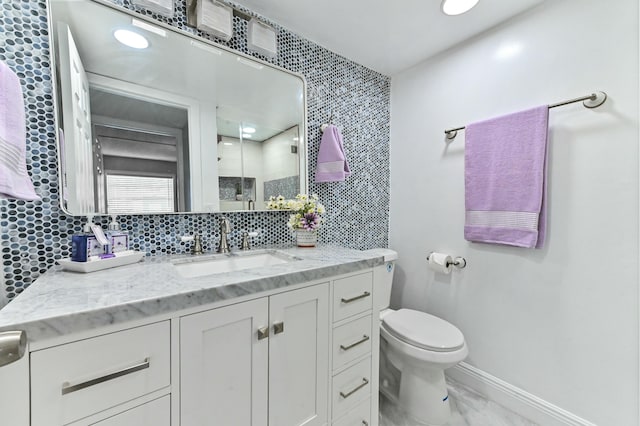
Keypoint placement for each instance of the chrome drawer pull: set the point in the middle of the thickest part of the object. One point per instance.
(353, 299)
(67, 388)
(354, 344)
(364, 383)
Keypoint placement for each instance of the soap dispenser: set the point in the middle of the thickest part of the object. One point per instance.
(119, 239)
(90, 242)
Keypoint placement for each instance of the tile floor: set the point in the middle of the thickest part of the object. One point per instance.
(471, 410)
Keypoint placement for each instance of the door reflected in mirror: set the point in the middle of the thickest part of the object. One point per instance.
(180, 126)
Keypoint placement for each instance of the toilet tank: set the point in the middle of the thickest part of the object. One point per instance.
(383, 278)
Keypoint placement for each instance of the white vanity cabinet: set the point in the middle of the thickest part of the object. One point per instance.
(261, 362)
(305, 355)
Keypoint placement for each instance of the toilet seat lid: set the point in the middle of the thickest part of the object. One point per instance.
(423, 330)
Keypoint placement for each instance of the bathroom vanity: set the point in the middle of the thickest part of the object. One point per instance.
(292, 343)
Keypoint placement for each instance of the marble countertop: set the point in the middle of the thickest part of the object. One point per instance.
(61, 302)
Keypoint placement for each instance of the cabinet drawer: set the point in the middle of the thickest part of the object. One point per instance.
(359, 416)
(352, 295)
(78, 379)
(351, 387)
(153, 413)
(351, 341)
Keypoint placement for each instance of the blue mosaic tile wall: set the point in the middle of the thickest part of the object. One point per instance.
(34, 234)
(287, 187)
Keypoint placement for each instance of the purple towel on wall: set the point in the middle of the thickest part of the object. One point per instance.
(505, 166)
(332, 162)
(14, 179)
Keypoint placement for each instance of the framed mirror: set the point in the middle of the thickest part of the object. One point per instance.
(172, 124)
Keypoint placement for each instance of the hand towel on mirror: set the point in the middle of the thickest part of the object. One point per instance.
(505, 182)
(332, 161)
(14, 179)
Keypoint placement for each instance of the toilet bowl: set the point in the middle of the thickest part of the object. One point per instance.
(420, 346)
(415, 350)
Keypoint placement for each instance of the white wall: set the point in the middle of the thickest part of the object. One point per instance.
(278, 161)
(253, 166)
(203, 154)
(560, 322)
(231, 164)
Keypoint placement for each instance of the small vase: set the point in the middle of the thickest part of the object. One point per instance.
(306, 238)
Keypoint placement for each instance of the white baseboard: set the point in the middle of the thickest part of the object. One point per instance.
(513, 398)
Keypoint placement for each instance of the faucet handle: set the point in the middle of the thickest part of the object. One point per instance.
(197, 242)
(225, 226)
(245, 240)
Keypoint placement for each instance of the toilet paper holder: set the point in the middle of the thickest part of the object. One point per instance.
(458, 262)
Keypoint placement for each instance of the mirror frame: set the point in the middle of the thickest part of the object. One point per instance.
(303, 160)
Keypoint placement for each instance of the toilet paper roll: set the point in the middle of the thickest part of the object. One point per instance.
(440, 262)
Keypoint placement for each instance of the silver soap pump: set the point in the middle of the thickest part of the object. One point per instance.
(114, 225)
(119, 238)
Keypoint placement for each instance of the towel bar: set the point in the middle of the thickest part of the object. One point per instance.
(593, 100)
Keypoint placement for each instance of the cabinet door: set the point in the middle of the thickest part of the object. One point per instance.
(298, 357)
(224, 366)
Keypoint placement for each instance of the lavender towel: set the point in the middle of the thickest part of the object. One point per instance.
(14, 179)
(332, 162)
(505, 166)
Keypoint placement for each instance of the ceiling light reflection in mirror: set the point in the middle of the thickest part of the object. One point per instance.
(131, 39)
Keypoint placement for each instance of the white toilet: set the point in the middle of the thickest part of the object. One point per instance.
(415, 349)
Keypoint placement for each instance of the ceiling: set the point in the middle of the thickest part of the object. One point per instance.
(385, 36)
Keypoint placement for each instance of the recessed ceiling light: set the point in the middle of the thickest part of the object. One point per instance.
(246, 135)
(131, 39)
(248, 130)
(457, 7)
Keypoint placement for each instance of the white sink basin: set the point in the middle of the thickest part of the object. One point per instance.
(218, 264)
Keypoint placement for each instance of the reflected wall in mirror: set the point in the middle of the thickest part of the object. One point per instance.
(182, 125)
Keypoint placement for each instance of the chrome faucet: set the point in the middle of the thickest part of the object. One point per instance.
(225, 228)
(250, 203)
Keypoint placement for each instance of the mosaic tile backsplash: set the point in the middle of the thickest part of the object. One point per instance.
(35, 234)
